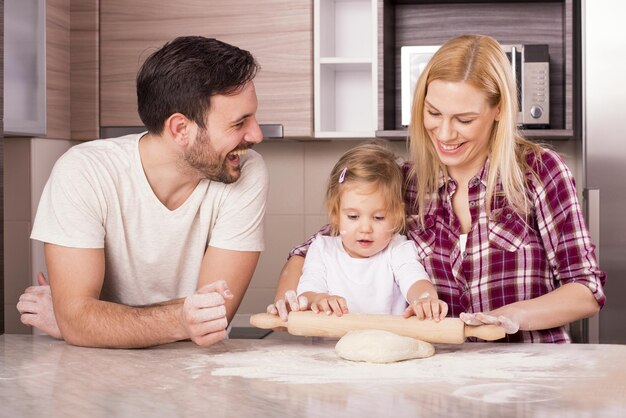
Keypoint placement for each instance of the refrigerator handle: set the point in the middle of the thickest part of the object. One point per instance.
(592, 210)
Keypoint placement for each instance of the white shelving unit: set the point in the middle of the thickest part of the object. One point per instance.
(345, 68)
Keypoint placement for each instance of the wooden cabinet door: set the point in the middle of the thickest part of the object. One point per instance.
(277, 32)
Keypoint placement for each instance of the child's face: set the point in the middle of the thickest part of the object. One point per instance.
(365, 225)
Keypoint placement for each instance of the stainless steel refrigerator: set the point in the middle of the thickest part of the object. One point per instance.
(603, 27)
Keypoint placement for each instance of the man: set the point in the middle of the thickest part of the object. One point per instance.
(132, 226)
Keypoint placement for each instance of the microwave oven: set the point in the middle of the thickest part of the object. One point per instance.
(531, 70)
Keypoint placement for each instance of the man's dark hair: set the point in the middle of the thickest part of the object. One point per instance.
(184, 74)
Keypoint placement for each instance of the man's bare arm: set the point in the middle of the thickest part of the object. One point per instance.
(76, 277)
(234, 267)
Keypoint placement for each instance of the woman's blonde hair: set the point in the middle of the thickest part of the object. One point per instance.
(480, 61)
(369, 163)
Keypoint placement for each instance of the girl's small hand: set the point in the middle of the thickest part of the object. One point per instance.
(427, 307)
(330, 304)
(510, 326)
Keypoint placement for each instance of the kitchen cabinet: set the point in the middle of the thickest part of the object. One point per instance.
(277, 32)
(25, 68)
(2, 162)
(426, 22)
(51, 82)
(84, 65)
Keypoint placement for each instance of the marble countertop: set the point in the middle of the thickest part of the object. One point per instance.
(303, 377)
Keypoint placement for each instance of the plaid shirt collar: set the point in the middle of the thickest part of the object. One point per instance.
(481, 176)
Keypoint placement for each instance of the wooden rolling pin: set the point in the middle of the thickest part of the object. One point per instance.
(311, 324)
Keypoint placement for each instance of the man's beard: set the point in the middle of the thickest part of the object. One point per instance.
(202, 159)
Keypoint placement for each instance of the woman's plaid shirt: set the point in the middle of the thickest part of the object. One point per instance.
(506, 259)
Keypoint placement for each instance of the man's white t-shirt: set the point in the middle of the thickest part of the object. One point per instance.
(375, 285)
(99, 197)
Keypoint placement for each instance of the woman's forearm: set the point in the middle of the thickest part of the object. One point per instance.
(289, 276)
(566, 304)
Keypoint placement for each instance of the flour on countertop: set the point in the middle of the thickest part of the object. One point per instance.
(508, 392)
(320, 364)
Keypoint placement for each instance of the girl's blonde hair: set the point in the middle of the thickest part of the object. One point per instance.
(480, 61)
(369, 163)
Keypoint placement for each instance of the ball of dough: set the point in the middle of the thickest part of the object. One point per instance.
(376, 346)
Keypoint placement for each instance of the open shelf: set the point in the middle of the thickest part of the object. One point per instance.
(345, 68)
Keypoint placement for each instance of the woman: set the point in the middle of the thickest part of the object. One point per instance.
(495, 217)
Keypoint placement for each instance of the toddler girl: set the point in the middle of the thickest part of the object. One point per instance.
(366, 265)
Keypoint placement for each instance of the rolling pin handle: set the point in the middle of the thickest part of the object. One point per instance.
(485, 332)
(267, 321)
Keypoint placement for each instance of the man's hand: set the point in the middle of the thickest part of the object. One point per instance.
(290, 302)
(204, 313)
(35, 307)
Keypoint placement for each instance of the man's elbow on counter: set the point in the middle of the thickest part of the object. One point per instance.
(73, 335)
(73, 327)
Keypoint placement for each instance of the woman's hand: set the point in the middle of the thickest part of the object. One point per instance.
(330, 304)
(427, 307)
(290, 302)
(510, 326)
